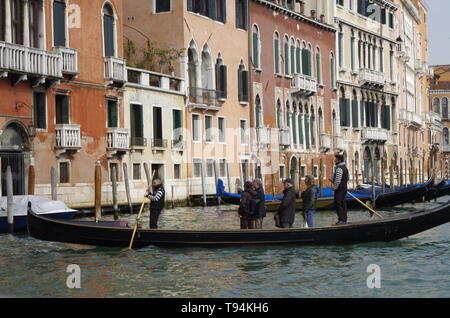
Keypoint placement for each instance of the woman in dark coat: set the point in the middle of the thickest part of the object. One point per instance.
(260, 204)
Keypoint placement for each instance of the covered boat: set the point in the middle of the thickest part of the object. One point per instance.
(41, 206)
(115, 234)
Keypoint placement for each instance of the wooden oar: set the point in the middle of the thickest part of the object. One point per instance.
(137, 222)
(362, 203)
(139, 217)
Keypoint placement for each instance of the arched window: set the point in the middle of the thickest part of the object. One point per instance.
(289, 119)
(279, 115)
(294, 123)
(437, 105)
(298, 67)
(307, 127)
(332, 71)
(276, 52)
(258, 112)
(446, 140)
(243, 83)
(221, 78)
(313, 127)
(108, 30)
(300, 124)
(286, 56)
(306, 60)
(445, 108)
(207, 69)
(292, 55)
(256, 45)
(192, 72)
(318, 66)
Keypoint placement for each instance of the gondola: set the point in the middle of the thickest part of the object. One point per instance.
(388, 199)
(115, 234)
(439, 190)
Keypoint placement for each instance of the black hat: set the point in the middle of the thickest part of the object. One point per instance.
(248, 185)
(288, 181)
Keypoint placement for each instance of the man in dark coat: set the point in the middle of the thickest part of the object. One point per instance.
(260, 203)
(285, 216)
(340, 180)
(247, 207)
(157, 199)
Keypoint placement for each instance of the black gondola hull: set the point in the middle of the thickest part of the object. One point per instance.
(89, 233)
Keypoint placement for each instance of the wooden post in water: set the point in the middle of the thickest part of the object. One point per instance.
(228, 177)
(53, 183)
(147, 175)
(31, 180)
(391, 177)
(354, 174)
(273, 187)
(114, 191)
(216, 179)
(127, 187)
(321, 177)
(98, 191)
(373, 183)
(9, 199)
(202, 174)
(173, 202)
(299, 175)
(383, 176)
(401, 173)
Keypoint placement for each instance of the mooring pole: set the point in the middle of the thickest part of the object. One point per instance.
(383, 175)
(114, 191)
(391, 177)
(98, 191)
(9, 199)
(228, 177)
(321, 177)
(203, 184)
(127, 187)
(216, 179)
(147, 175)
(31, 180)
(373, 183)
(53, 184)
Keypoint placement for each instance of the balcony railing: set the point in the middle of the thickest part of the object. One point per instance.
(118, 138)
(159, 144)
(375, 134)
(178, 145)
(371, 78)
(68, 136)
(303, 84)
(204, 98)
(69, 60)
(115, 70)
(338, 143)
(138, 142)
(25, 60)
(410, 117)
(144, 78)
(262, 136)
(284, 138)
(325, 142)
(433, 118)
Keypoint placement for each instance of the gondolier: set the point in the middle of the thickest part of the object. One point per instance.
(157, 199)
(340, 180)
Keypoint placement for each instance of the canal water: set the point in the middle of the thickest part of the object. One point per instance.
(413, 267)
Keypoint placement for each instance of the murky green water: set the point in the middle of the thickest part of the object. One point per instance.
(414, 267)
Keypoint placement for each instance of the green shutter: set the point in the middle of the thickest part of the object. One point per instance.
(286, 58)
(305, 61)
(300, 129)
(157, 123)
(332, 72)
(112, 114)
(355, 116)
(313, 137)
(318, 66)
(65, 110)
(292, 59)
(244, 83)
(294, 128)
(297, 56)
(255, 50)
(223, 81)
(277, 56)
(307, 131)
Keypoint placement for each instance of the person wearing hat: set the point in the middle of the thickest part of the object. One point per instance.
(247, 207)
(340, 180)
(285, 216)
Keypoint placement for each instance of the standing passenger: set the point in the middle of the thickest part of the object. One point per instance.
(247, 207)
(309, 198)
(285, 216)
(260, 203)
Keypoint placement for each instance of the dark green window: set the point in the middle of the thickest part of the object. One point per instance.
(39, 110)
(137, 125)
(355, 118)
(62, 109)
(157, 123)
(113, 121)
(108, 30)
(177, 124)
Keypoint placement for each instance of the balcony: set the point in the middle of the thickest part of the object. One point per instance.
(325, 142)
(207, 99)
(178, 145)
(115, 70)
(433, 118)
(159, 144)
(420, 67)
(69, 61)
(338, 143)
(25, 61)
(117, 141)
(284, 138)
(138, 143)
(303, 85)
(374, 134)
(371, 78)
(262, 137)
(445, 148)
(140, 78)
(68, 138)
(410, 118)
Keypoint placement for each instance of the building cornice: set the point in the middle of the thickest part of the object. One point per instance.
(343, 21)
(295, 15)
(412, 10)
(367, 89)
(439, 91)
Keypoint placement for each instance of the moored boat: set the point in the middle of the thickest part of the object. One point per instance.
(115, 234)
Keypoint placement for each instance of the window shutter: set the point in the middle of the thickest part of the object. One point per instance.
(212, 13)
(347, 113)
(294, 128)
(59, 23)
(190, 5)
(292, 59)
(368, 114)
(108, 22)
(341, 111)
(319, 70)
(305, 61)
(240, 95)
(277, 56)
(223, 4)
(388, 118)
(223, 80)
(297, 55)
(255, 50)
(237, 13)
(286, 58)
(244, 85)
(300, 129)
(65, 110)
(112, 114)
(307, 131)
(355, 113)
(313, 138)
(218, 84)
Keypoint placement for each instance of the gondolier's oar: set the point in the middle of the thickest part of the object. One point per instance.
(137, 222)
(370, 209)
(139, 217)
